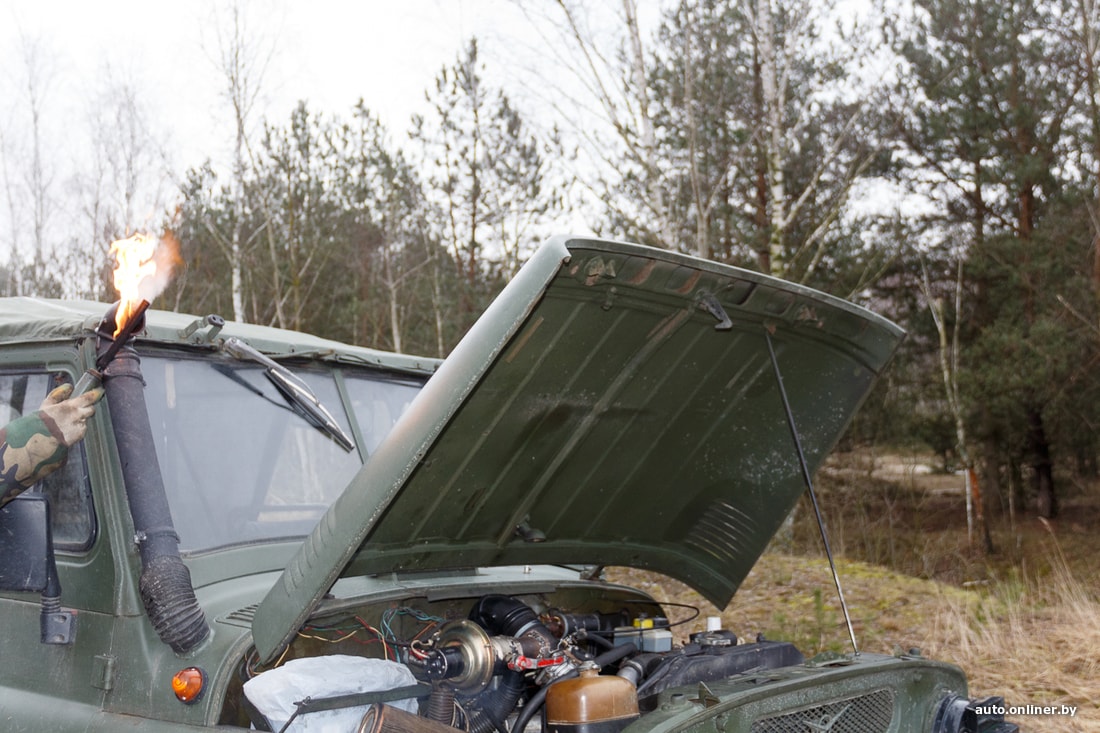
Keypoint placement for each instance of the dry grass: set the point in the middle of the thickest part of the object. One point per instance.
(1030, 630)
(1033, 642)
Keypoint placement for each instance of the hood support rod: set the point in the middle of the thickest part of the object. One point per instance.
(808, 479)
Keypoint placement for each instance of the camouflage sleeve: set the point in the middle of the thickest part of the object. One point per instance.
(31, 447)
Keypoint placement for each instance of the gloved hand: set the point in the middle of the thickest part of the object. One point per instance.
(70, 415)
(34, 445)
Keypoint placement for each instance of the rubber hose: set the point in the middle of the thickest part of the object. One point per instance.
(495, 707)
(441, 705)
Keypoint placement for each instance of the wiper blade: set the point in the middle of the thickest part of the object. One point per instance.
(296, 392)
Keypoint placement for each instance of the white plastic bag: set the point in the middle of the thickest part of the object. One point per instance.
(273, 693)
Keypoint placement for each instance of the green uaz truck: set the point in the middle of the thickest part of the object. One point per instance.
(267, 530)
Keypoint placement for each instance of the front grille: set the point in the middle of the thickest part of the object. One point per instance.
(870, 713)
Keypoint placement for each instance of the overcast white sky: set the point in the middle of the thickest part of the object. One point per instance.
(330, 52)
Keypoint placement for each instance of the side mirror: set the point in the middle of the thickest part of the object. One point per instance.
(25, 543)
(27, 562)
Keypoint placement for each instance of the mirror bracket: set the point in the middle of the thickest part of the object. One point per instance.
(27, 563)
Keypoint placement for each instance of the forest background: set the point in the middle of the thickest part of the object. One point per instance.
(936, 160)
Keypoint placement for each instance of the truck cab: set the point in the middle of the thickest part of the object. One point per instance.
(245, 476)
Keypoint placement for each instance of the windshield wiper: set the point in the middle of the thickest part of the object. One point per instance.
(296, 392)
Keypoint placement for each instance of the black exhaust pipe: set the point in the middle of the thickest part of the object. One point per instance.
(165, 582)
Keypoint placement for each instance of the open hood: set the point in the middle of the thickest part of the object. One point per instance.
(616, 405)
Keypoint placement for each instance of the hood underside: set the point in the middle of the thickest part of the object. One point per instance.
(616, 405)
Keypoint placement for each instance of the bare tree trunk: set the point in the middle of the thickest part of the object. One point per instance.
(236, 256)
(393, 290)
(702, 209)
(760, 174)
(1012, 499)
(773, 96)
(437, 308)
(123, 190)
(621, 91)
(949, 367)
(38, 179)
(637, 61)
(243, 72)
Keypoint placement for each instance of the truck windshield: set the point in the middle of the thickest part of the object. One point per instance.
(239, 464)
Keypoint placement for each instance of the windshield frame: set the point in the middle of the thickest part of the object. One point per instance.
(207, 518)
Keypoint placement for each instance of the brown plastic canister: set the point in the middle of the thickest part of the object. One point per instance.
(591, 703)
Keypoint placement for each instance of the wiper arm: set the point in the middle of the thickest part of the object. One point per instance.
(296, 392)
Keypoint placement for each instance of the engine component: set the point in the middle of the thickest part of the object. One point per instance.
(514, 618)
(693, 663)
(534, 705)
(382, 718)
(591, 702)
(441, 705)
(645, 639)
(714, 637)
(563, 624)
(501, 641)
(465, 656)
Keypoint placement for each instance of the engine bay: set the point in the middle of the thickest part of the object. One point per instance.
(567, 661)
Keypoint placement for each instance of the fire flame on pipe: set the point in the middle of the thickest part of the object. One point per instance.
(143, 268)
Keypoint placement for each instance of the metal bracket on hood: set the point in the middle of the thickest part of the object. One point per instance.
(706, 698)
(593, 572)
(710, 304)
(215, 323)
(597, 270)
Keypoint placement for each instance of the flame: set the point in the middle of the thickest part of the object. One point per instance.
(143, 267)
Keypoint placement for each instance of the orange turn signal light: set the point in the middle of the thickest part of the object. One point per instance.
(188, 684)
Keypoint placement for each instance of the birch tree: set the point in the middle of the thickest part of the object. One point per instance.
(949, 359)
(734, 134)
(384, 220)
(1083, 31)
(242, 59)
(607, 106)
